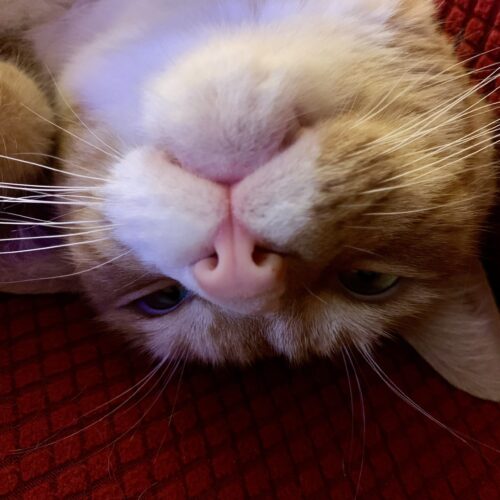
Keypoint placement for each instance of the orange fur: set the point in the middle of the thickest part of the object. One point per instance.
(402, 185)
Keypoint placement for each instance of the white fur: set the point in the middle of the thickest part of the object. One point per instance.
(226, 107)
(171, 217)
(108, 51)
(204, 90)
(180, 79)
(286, 190)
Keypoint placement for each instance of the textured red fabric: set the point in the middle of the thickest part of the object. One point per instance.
(73, 424)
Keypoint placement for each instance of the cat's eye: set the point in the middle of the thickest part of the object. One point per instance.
(367, 283)
(163, 301)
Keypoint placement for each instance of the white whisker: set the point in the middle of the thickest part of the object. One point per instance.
(363, 416)
(377, 110)
(114, 156)
(52, 169)
(52, 197)
(312, 294)
(445, 160)
(69, 275)
(46, 187)
(31, 201)
(394, 388)
(422, 179)
(142, 383)
(51, 236)
(426, 209)
(53, 247)
(58, 225)
(426, 120)
(57, 158)
(363, 250)
(68, 105)
(174, 368)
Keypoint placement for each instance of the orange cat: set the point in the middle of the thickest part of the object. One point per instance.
(240, 178)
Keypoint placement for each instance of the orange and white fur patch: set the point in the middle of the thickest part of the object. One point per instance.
(231, 179)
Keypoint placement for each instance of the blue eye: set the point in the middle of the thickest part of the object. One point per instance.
(163, 301)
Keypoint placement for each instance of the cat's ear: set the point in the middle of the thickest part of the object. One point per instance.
(461, 339)
(44, 271)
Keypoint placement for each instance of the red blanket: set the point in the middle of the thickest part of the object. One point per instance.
(79, 420)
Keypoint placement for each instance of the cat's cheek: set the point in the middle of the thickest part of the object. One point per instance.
(182, 334)
(165, 215)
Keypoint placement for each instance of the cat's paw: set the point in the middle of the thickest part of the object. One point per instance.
(25, 128)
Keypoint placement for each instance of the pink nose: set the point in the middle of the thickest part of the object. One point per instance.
(239, 270)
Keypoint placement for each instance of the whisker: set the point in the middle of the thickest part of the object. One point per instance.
(176, 397)
(46, 187)
(486, 130)
(57, 158)
(432, 81)
(422, 179)
(69, 275)
(32, 201)
(351, 401)
(445, 160)
(132, 282)
(135, 389)
(425, 119)
(363, 250)
(377, 109)
(426, 209)
(465, 62)
(68, 105)
(53, 198)
(310, 292)
(144, 414)
(52, 169)
(396, 390)
(51, 441)
(363, 417)
(52, 224)
(489, 128)
(53, 247)
(51, 236)
(114, 156)
(467, 440)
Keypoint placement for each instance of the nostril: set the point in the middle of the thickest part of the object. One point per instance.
(211, 262)
(260, 256)
(238, 268)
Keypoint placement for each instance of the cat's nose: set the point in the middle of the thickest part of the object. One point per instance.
(239, 270)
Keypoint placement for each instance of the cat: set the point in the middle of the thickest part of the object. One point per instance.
(231, 179)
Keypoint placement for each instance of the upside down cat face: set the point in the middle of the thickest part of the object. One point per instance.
(286, 183)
